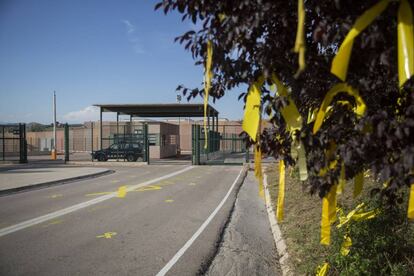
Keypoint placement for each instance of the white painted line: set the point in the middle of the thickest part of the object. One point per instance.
(181, 252)
(277, 234)
(41, 219)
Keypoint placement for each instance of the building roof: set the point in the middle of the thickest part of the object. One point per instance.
(159, 110)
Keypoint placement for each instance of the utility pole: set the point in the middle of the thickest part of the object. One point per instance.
(54, 153)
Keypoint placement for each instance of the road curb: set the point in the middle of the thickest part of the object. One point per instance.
(53, 183)
(107, 164)
(277, 234)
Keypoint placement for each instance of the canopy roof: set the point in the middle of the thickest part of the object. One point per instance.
(159, 110)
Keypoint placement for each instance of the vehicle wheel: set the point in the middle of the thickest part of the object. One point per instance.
(131, 158)
(140, 159)
(101, 158)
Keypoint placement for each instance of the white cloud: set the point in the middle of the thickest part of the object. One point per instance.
(132, 37)
(89, 113)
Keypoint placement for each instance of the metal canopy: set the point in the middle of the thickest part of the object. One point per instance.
(159, 110)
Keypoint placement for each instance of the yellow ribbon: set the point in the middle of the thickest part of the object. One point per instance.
(410, 214)
(405, 42)
(328, 215)
(258, 169)
(281, 194)
(251, 117)
(322, 270)
(342, 180)
(290, 112)
(208, 74)
(356, 215)
(300, 46)
(303, 169)
(336, 89)
(358, 184)
(341, 61)
(346, 245)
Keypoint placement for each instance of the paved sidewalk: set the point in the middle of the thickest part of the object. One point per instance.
(248, 247)
(24, 178)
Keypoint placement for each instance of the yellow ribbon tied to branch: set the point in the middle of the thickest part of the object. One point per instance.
(258, 168)
(281, 193)
(358, 184)
(410, 213)
(340, 62)
(293, 119)
(335, 90)
(328, 215)
(208, 74)
(405, 42)
(300, 46)
(251, 119)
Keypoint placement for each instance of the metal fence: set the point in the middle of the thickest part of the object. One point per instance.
(91, 137)
(13, 145)
(222, 147)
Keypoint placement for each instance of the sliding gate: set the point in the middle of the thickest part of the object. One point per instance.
(223, 147)
(13, 146)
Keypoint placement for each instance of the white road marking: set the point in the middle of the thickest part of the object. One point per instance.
(187, 245)
(41, 219)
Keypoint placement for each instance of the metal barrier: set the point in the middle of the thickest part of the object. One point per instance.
(222, 147)
(13, 146)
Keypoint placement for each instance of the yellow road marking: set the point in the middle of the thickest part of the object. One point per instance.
(192, 184)
(107, 235)
(122, 192)
(148, 188)
(55, 196)
(54, 222)
(169, 200)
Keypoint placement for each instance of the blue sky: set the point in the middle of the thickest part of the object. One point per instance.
(92, 52)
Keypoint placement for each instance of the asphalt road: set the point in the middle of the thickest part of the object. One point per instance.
(137, 221)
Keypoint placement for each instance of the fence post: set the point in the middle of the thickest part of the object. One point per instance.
(197, 148)
(146, 143)
(66, 141)
(92, 141)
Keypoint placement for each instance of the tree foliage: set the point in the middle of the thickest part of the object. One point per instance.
(256, 37)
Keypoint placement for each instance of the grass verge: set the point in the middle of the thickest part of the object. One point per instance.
(301, 225)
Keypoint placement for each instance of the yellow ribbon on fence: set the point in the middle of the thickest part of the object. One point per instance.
(300, 46)
(410, 213)
(405, 42)
(341, 61)
(322, 270)
(336, 89)
(281, 193)
(208, 74)
(358, 184)
(258, 168)
(328, 215)
(251, 119)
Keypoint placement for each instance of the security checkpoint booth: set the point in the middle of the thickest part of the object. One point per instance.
(161, 139)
